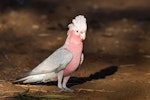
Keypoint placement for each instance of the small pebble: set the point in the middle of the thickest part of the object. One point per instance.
(35, 26)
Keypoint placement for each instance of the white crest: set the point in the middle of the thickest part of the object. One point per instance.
(79, 23)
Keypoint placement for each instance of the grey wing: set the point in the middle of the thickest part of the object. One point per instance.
(54, 63)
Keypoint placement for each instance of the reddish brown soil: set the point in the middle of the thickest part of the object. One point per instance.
(117, 51)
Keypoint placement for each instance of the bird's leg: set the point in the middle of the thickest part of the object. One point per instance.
(60, 78)
(65, 80)
(82, 58)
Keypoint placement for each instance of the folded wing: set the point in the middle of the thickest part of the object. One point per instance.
(49, 68)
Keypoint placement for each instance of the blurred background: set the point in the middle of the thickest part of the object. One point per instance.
(118, 34)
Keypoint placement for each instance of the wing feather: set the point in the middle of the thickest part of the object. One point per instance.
(58, 60)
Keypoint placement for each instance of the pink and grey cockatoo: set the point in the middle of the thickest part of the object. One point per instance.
(65, 60)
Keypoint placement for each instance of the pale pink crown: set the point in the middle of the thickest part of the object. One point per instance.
(78, 24)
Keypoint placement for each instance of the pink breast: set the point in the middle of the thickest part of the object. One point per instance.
(71, 67)
(74, 63)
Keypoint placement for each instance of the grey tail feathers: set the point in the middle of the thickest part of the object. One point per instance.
(20, 79)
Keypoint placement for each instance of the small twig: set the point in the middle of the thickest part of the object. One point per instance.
(38, 90)
(11, 92)
(26, 86)
(31, 88)
(91, 90)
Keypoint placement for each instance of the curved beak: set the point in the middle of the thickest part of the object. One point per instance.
(83, 36)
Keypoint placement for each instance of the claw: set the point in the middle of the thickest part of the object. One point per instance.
(64, 90)
(67, 90)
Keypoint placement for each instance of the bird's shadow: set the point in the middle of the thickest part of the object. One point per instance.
(80, 80)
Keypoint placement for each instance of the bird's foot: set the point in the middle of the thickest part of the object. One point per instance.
(66, 90)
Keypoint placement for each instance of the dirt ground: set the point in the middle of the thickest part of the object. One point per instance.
(117, 51)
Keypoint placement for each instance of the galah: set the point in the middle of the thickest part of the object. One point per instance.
(64, 61)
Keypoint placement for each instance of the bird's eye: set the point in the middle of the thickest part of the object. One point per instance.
(77, 31)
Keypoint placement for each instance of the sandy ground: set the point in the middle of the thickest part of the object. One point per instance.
(117, 51)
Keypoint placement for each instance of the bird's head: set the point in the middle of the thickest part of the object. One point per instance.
(79, 26)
